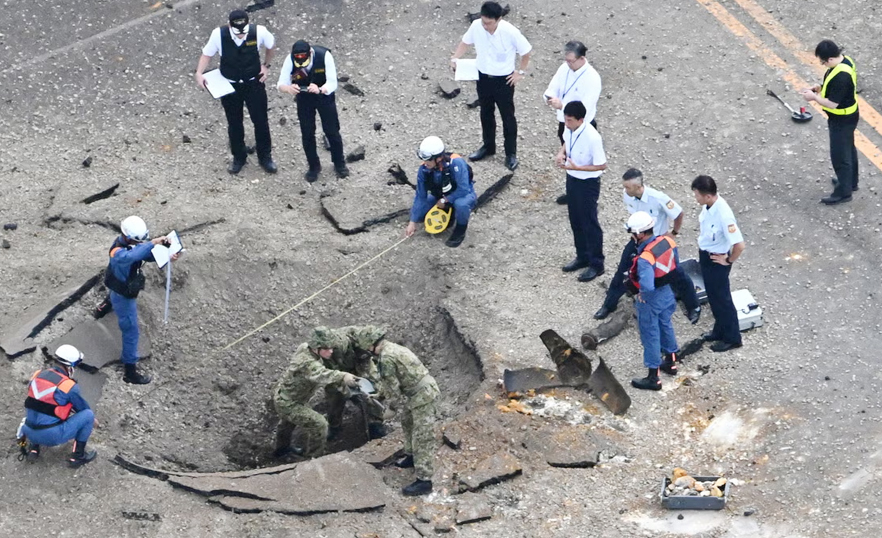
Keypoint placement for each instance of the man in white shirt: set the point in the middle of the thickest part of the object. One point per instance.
(238, 45)
(310, 75)
(496, 44)
(575, 80)
(720, 243)
(584, 160)
(668, 217)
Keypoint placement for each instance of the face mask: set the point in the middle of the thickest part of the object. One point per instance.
(301, 62)
(240, 30)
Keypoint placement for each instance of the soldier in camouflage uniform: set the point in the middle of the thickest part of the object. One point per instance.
(304, 375)
(405, 377)
(348, 358)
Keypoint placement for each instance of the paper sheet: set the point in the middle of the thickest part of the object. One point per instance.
(466, 70)
(161, 255)
(176, 245)
(217, 85)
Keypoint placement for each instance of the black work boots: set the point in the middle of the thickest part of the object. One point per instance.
(33, 453)
(650, 382)
(133, 376)
(458, 235)
(419, 487)
(670, 364)
(80, 457)
(405, 463)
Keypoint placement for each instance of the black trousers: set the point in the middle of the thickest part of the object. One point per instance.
(681, 284)
(716, 282)
(561, 126)
(843, 154)
(252, 94)
(326, 106)
(495, 92)
(582, 195)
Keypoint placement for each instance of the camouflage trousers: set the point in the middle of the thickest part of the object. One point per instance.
(313, 427)
(418, 424)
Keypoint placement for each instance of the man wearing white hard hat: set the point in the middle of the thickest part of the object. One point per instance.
(56, 411)
(125, 281)
(444, 180)
(650, 277)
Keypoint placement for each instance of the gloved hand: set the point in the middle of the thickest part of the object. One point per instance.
(350, 380)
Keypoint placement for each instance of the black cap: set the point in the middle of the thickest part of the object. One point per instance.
(301, 47)
(237, 16)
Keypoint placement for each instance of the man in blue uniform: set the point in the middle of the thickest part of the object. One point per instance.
(720, 243)
(56, 411)
(444, 179)
(668, 217)
(125, 281)
(650, 275)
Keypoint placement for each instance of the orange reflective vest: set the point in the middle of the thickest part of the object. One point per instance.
(41, 393)
(660, 254)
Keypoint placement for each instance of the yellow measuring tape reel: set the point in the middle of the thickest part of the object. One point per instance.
(437, 219)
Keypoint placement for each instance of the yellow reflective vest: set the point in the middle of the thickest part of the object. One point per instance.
(842, 66)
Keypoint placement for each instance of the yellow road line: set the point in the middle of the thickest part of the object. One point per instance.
(796, 47)
(863, 144)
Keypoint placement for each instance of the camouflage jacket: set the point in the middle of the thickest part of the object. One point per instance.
(304, 375)
(346, 358)
(404, 376)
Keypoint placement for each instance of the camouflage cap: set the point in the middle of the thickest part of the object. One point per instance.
(368, 336)
(325, 338)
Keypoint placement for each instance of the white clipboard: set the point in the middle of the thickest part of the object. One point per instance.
(217, 85)
(466, 70)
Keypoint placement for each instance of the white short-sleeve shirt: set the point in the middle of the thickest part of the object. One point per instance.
(330, 73)
(658, 204)
(582, 85)
(495, 53)
(719, 231)
(264, 39)
(585, 147)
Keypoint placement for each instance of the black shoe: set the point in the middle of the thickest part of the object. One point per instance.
(482, 152)
(133, 376)
(694, 315)
(670, 364)
(511, 162)
(80, 456)
(236, 166)
(377, 431)
(574, 265)
(834, 199)
(561, 200)
(650, 382)
(589, 274)
(33, 453)
(284, 452)
(312, 174)
(333, 432)
(103, 309)
(710, 337)
(342, 170)
(724, 346)
(855, 188)
(419, 487)
(405, 463)
(603, 312)
(457, 237)
(269, 166)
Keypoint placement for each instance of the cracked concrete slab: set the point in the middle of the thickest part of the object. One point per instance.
(491, 470)
(564, 447)
(471, 508)
(91, 385)
(100, 341)
(334, 483)
(17, 338)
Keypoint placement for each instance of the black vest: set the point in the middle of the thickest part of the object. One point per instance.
(316, 74)
(135, 282)
(242, 62)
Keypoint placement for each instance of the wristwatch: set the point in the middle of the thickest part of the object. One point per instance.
(675, 232)
(522, 72)
(267, 65)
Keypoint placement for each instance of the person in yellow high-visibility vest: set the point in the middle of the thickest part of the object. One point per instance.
(838, 97)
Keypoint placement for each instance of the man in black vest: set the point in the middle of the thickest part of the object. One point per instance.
(239, 47)
(310, 74)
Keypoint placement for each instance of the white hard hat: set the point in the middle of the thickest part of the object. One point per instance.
(135, 229)
(68, 355)
(640, 222)
(431, 147)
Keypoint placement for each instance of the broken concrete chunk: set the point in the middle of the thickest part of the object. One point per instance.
(377, 126)
(91, 385)
(492, 470)
(185, 139)
(355, 155)
(5, 244)
(449, 88)
(100, 341)
(87, 162)
(106, 193)
(474, 104)
(471, 508)
(379, 453)
(353, 89)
